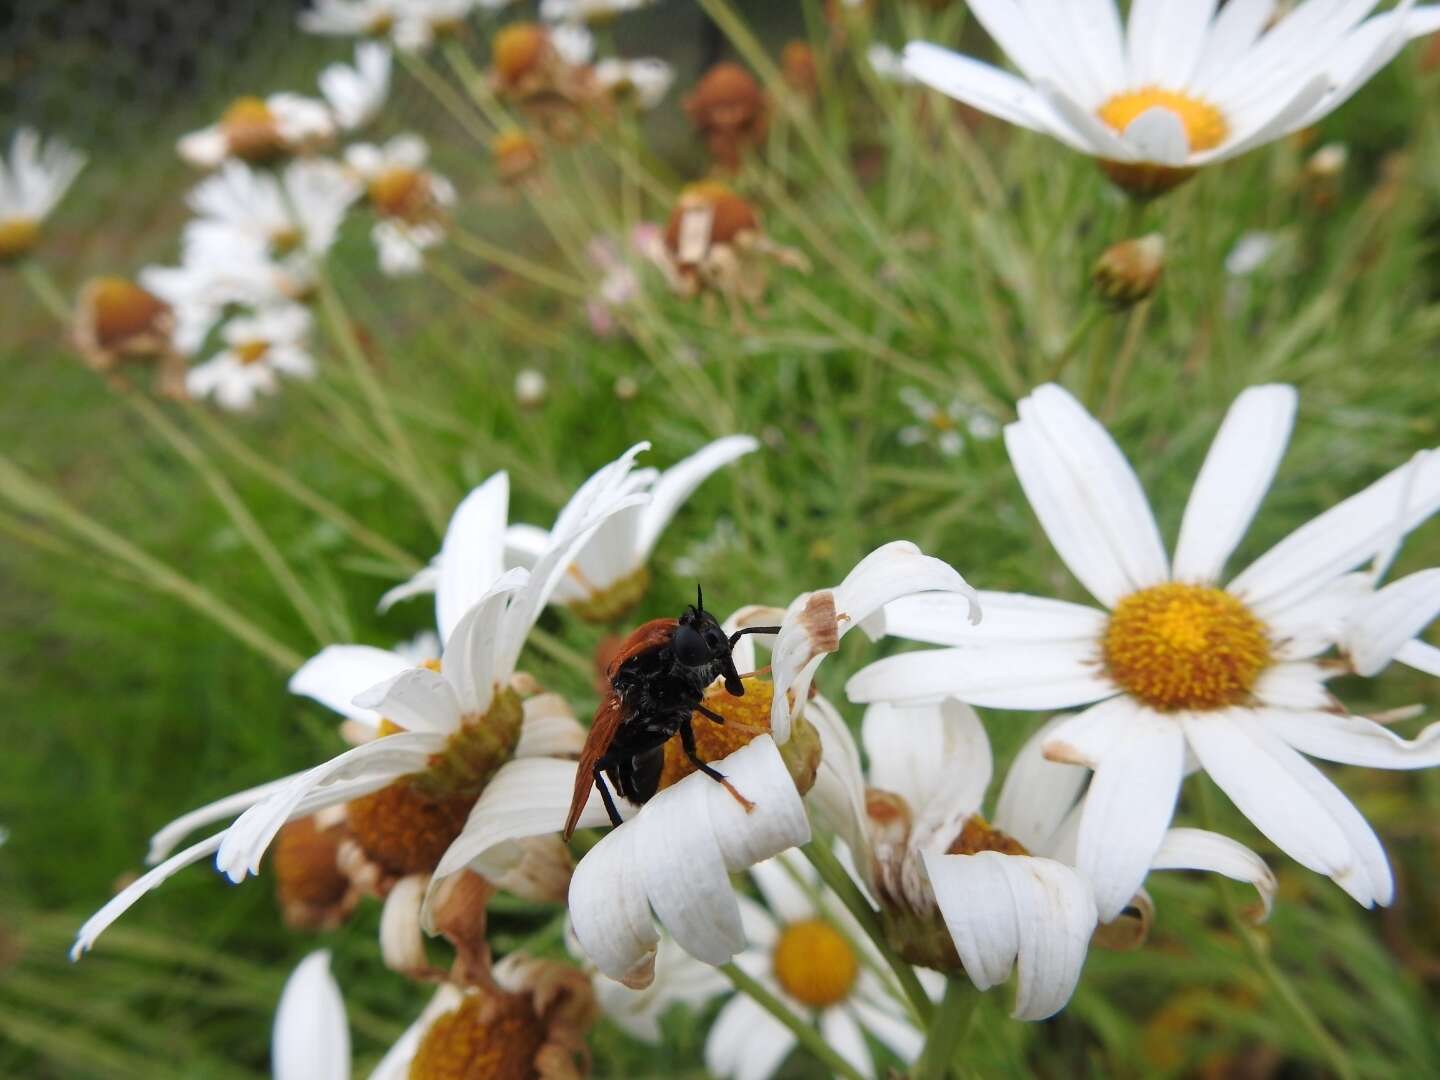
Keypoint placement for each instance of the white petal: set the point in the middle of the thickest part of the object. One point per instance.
(122, 901)
(1297, 684)
(1196, 849)
(1308, 627)
(1420, 656)
(1003, 908)
(1056, 675)
(840, 1030)
(837, 800)
(1384, 622)
(311, 1040)
(1353, 740)
(1128, 807)
(779, 881)
(1232, 33)
(978, 85)
(401, 943)
(1237, 472)
(338, 674)
(1341, 538)
(890, 1027)
(746, 1042)
(1038, 794)
(164, 841)
(680, 480)
(425, 580)
(944, 619)
(1157, 135)
(1294, 112)
(470, 662)
(549, 729)
(610, 911)
(473, 553)
(1288, 800)
(417, 699)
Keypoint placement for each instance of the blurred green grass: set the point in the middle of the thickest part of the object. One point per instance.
(121, 710)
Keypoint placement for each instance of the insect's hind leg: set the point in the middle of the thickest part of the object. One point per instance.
(687, 743)
(599, 771)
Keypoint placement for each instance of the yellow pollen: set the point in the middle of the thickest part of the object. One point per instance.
(1180, 646)
(978, 835)
(1205, 127)
(746, 718)
(17, 237)
(815, 964)
(250, 130)
(251, 352)
(491, 1036)
(405, 830)
(401, 192)
(121, 310)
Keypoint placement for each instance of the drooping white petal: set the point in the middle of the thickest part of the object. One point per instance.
(470, 662)
(1288, 800)
(1309, 626)
(311, 1039)
(1055, 675)
(1386, 620)
(1237, 472)
(1004, 909)
(472, 555)
(1157, 135)
(164, 841)
(401, 943)
(610, 911)
(1353, 740)
(1038, 793)
(677, 483)
(837, 799)
(337, 674)
(417, 699)
(1196, 849)
(1128, 807)
(944, 619)
(425, 580)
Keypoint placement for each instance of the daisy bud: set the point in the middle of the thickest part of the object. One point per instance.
(730, 112)
(797, 64)
(530, 388)
(1323, 172)
(1128, 272)
(18, 237)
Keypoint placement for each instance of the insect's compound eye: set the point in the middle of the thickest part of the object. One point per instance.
(689, 647)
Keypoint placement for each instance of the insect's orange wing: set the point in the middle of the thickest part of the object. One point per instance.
(602, 731)
(646, 636)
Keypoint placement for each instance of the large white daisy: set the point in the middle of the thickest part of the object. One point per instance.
(1183, 84)
(1184, 672)
(32, 182)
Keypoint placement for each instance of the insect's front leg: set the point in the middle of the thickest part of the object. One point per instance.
(710, 714)
(607, 762)
(687, 743)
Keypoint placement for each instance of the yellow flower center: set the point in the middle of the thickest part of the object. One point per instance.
(491, 1036)
(250, 130)
(1205, 126)
(251, 352)
(283, 241)
(380, 25)
(405, 830)
(978, 835)
(309, 883)
(120, 310)
(609, 604)
(401, 192)
(17, 237)
(1177, 646)
(517, 49)
(815, 964)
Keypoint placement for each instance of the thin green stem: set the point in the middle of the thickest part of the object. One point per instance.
(518, 265)
(808, 1037)
(835, 875)
(1331, 1051)
(1073, 342)
(46, 291)
(503, 313)
(450, 99)
(1120, 373)
(947, 1030)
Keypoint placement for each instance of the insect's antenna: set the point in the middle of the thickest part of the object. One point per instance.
(699, 599)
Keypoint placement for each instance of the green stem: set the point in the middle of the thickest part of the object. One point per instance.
(808, 1037)
(1074, 341)
(947, 1030)
(449, 98)
(32, 497)
(518, 265)
(45, 289)
(1328, 1049)
(504, 314)
(1120, 373)
(835, 875)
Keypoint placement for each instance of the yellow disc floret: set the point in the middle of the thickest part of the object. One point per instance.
(1205, 126)
(401, 192)
(250, 130)
(978, 835)
(1180, 646)
(815, 964)
(491, 1036)
(405, 830)
(17, 237)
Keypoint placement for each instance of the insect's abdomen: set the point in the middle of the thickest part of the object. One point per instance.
(637, 778)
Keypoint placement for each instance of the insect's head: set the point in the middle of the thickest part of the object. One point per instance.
(700, 641)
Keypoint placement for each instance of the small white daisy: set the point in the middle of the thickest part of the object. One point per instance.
(260, 131)
(1183, 670)
(32, 182)
(680, 979)
(409, 200)
(942, 426)
(1181, 85)
(420, 23)
(561, 11)
(356, 94)
(351, 18)
(258, 349)
(645, 81)
(300, 210)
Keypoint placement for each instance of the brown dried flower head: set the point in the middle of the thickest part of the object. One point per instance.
(730, 111)
(118, 322)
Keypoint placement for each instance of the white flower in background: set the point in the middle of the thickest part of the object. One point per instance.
(32, 182)
(356, 94)
(260, 131)
(311, 1037)
(619, 283)
(1182, 85)
(561, 11)
(886, 63)
(574, 44)
(1250, 253)
(942, 426)
(805, 952)
(300, 210)
(259, 348)
(1006, 891)
(420, 23)
(645, 81)
(531, 388)
(457, 726)
(815, 622)
(680, 979)
(408, 199)
(351, 18)
(1183, 669)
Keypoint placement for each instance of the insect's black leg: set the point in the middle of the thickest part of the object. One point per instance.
(687, 743)
(738, 634)
(615, 818)
(710, 714)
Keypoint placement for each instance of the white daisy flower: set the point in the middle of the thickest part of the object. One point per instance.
(812, 956)
(258, 349)
(574, 44)
(886, 63)
(1250, 253)
(420, 23)
(356, 94)
(456, 727)
(1182, 669)
(300, 210)
(645, 81)
(32, 182)
(561, 11)
(943, 426)
(1182, 85)
(408, 199)
(680, 979)
(260, 131)
(311, 1038)
(351, 18)
(1007, 892)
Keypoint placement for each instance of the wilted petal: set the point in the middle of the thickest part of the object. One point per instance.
(1196, 849)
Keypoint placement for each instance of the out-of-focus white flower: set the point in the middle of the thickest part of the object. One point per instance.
(301, 210)
(32, 181)
(1181, 86)
(259, 131)
(574, 44)
(530, 388)
(941, 426)
(408, 199)
(351, 18)
(645, 81)
(680, 979)
(420, 23)
(561, 11)
(1250, 253)
(258, 349)
(356, 94)
(886, 63)
(311, 1039)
